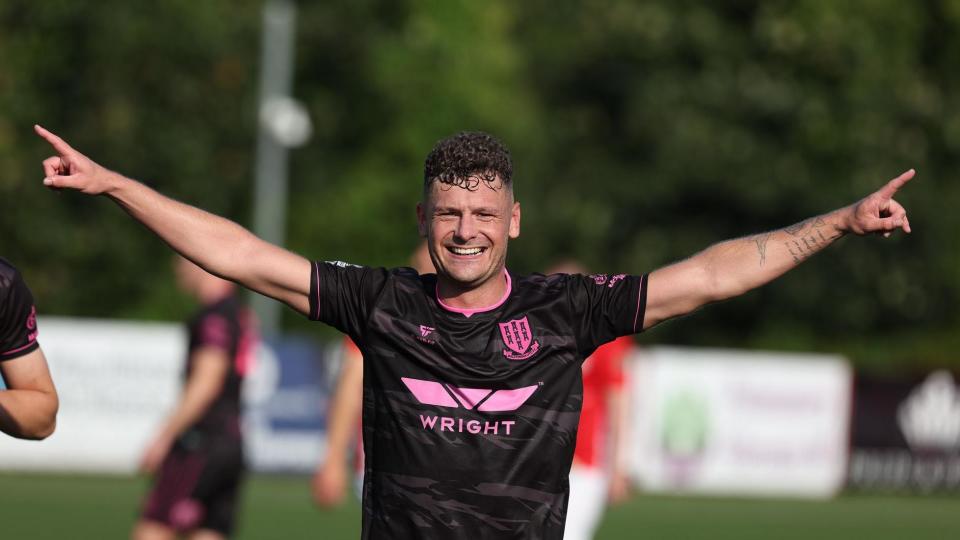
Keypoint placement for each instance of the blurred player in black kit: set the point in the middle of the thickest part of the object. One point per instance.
(197, 454)
(28, 406)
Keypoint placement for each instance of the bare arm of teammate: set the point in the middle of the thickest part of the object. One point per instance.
(210, 366)
(28, 408)
(619, 488)
(217, 245)
(331, 479)
(734, 267)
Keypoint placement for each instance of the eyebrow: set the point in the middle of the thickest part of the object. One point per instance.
(480, 210)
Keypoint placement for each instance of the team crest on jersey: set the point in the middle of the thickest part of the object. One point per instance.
(518, 340)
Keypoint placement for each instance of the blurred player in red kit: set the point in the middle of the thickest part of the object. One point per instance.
(598, 475)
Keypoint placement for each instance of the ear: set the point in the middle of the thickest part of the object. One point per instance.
(421, 220)
(515, 220)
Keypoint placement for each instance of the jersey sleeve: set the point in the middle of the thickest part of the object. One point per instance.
(605, 307)
(18, 320)
(343, 295)
(214, 331)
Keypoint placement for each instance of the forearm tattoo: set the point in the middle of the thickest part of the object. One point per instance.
(815, 236)
(796, 229)
(761, 241)
(808, 237)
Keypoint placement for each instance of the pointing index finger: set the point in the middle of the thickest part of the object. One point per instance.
(56, 142)
(892, 186)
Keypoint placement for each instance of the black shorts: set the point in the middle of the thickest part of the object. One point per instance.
(198, 488)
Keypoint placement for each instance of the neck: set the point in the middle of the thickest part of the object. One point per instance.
(487, 296)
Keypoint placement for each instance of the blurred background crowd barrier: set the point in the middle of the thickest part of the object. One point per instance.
(702, 421)
(740, 422)
(118, 380)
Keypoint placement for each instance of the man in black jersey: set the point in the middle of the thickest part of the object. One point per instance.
(197, 454)
(28, 406)
(472, 375)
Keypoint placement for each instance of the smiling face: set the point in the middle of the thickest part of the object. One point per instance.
(467, 232)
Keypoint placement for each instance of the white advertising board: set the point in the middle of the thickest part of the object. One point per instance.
(116, 380)
(740, 422)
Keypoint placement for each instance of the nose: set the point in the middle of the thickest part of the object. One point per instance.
(466, 229)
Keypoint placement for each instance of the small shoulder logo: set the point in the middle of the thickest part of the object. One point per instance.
(599, 279)
(518, 340)
(342, 264)
(604, 279)
(32, 318)
(32, 325)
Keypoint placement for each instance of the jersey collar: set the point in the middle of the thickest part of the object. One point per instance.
(467, 312)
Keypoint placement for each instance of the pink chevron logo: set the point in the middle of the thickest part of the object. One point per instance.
(481, 399)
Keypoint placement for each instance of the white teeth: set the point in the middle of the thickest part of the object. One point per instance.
(466, 251)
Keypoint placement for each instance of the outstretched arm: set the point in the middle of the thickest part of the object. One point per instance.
(731, 268)
(217, 245)
(618, 489)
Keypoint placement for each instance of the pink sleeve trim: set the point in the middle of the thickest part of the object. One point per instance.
(316, 270)
(641, 295)
(18, 349)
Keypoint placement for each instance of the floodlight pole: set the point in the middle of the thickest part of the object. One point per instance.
(270, 190)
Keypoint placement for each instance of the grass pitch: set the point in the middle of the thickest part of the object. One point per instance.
(42, 507)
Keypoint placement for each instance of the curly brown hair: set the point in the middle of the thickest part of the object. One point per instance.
(466, 159)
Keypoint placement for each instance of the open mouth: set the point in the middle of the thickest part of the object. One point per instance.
(466, 251)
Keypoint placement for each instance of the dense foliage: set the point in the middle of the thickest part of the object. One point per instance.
(641, 132)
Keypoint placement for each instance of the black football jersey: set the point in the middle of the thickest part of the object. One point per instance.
(18, 316)
(470, 416)
(225, 325)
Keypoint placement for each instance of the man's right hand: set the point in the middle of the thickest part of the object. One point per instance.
(70, 169)
(216, 244)
(155, 453)
(330, 484)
